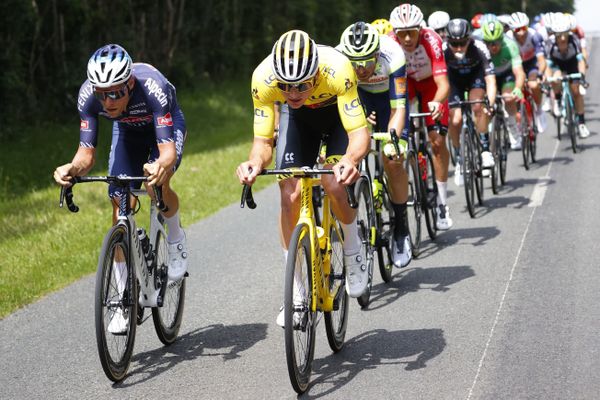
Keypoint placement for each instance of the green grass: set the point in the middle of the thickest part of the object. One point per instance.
(44, 248)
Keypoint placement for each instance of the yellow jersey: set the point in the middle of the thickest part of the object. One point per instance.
(336, 82)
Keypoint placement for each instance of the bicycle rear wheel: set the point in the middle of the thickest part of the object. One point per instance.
(496, 149)
(300, 321)
(468, 169)
(116, 296)
(430, 192)
(414, 203)
(167, 319)
(366, 230)
(336, 321)
(572, 128)
(504, 149)
(524, 128)
(384, 218)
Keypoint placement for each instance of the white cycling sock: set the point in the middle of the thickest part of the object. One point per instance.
(351, 239)
(174, 227)
(120, 272)
(442, 192)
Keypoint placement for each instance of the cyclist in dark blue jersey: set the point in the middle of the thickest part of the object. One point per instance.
(147, 136)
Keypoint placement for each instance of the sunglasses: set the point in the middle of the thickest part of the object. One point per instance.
(494, 43)
(458, 43)
(301, 87)
(521, 29)
(111, 94)
(368, 63)
(405, 31)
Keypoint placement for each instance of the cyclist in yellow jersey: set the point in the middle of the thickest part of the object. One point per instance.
(318, 86)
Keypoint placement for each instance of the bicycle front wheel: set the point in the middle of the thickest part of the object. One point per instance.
(430, 193)
(524, 128)
(504, 149)
(116, 299)
(571, 118)
(414, 203)
(336, 321)
(300, 321)
(366, 231)
(167, 319)
(496, 151)
(468, 169)
(384, 219)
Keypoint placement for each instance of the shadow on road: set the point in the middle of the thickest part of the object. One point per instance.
(407, 349)
(215, 340)
(438, 279)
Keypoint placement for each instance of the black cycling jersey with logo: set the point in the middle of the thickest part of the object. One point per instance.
(477, 57)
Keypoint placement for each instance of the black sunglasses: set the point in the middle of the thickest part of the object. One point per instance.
(458, 43)
(112, 94)
(301, 87)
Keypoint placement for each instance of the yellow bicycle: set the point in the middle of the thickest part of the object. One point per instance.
(314, 279)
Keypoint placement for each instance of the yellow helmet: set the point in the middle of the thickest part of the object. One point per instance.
(382, 25)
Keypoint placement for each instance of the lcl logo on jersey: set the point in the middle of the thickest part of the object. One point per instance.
(353, 109)
(260, 113)
(289, 157)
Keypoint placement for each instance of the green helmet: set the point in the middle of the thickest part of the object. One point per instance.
(360, 41)
(492, 30)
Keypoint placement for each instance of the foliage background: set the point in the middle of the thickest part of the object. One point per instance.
(45, 44)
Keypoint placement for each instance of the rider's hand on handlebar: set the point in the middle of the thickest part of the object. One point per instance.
(156, 173)
(64, 174)
(345, 172)
(435, 109)
(248, 171)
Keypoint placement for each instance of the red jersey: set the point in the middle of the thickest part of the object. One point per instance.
(427, 60)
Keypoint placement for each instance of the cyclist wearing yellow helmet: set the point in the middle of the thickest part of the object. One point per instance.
(319, 89)
(383, 26)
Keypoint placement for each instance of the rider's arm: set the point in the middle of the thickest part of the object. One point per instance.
(397, 90)
(519, 76)
(490, 88)
(540, 53)
(83, 161)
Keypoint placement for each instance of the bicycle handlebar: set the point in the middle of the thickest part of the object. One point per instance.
(248, 198)
(391, 137)
(66, 193)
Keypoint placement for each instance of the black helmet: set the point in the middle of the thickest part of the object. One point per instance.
(458, 28)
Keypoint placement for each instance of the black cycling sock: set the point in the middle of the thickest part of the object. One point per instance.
(485, 141)
(581, 118)
(401, 219)
(558, 98)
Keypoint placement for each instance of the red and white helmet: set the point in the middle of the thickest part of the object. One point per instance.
(518, 20)
(406, 16)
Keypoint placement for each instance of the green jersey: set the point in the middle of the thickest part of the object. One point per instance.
(507, 58)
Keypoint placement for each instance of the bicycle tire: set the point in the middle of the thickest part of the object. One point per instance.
(414, 204)
(496, 146)
(524, 131)
(299, 257)
(504, 150)
(366, 230)
(533, 138)
(572, 128)
(468, 168)
(167, 319)
(384, 218)
(558, 126)
(317, 201)
(430, 191)
(336, 321)
(115, 363)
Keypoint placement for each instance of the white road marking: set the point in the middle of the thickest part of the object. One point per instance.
(536, 199)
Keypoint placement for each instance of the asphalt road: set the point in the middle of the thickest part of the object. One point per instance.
(503, 306)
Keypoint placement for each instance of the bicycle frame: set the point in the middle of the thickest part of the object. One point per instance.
(322, 298)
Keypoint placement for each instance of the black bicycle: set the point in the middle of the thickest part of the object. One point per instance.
(499, 144)
(132, 275)
(470, 154)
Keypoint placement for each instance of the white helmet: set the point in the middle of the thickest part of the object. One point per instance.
(294, 57)
(110, 65)
(572, 21)
(560, 23)
(546, 19)
(518, 20)
(406, 16)
(438, 20)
